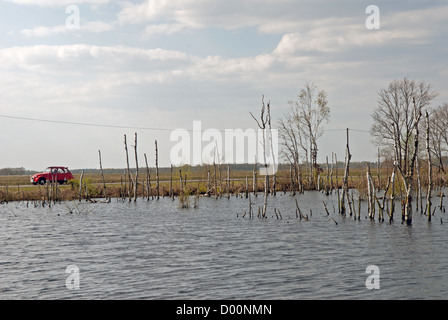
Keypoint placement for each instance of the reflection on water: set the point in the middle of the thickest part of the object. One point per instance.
(154, 250)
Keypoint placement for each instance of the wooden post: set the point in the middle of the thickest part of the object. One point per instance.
(255, 180)
(428, 151)
(121, 187)
(215, 179)
(265, 199)
(136, 168)
(345, 180)
(125, 187)
(327, 187)
(147, 178)
(80, 185)
(250, 207)
(228, 181)
(127, 166)
(220, 180)
(181, 183)
(336, 163)
(157, 171)
(419, 195)
(102, 175)
(171, 182)
(209, 186)
(331, 174)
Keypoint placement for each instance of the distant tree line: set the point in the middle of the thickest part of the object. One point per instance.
(15, 171)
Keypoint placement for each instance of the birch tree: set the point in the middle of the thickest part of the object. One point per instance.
(394, 117)
(305, 123)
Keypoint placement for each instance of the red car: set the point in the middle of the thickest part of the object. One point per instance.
(59, 174)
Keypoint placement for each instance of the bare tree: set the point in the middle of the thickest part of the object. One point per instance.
(303, 125)
(439, 133)
(264, 120)
(408, 177)
(394, 117)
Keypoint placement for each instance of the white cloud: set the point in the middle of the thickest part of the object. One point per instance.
(42, 31)
(230, 14)
(164, 29)
(83, 58)
(48, 3)
(90, 26)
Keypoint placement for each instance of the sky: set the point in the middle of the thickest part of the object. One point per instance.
(96, 70)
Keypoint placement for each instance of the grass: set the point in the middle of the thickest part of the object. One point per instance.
(19, 188)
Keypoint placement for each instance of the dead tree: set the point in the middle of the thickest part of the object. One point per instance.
(102, 175)
(255, 183)
(344, 193)
(228, 182)
(148, 178)
(408, 176)
(392, 194)
(274, 173)
(127, 168)
(418, 192)
(370, 203)
(171, 182)
(262, 125)
(428, 151)
(80, 185)
(136, 168)
(157, 171)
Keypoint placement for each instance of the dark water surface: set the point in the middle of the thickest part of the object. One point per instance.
(154, 250)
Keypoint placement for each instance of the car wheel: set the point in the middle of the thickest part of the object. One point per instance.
(42, 181)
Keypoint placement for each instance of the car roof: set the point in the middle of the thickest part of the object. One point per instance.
(52, 167)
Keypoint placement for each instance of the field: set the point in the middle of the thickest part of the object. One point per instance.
(206, 180)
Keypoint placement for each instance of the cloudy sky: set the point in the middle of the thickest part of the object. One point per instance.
(162, 64)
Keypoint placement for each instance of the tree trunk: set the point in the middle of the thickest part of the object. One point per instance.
(127, 167)
(147, 178)
(428, 151)
(102, 175)
(157, 171)
(136, 168)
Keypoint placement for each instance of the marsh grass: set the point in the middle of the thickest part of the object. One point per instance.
(18, 187)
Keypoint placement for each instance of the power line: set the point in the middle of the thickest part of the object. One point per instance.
(85, 124)
(128, 127)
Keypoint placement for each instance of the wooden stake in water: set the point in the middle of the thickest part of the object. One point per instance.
(80, 185)
(147, 178)
(428, 152)
(228, 182)
(102, 175)
(136, 168)
(157, 171)
(127, 167)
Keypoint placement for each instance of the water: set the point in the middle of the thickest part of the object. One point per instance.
(155, 250)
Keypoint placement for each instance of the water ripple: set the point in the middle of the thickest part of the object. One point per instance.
(154, 250)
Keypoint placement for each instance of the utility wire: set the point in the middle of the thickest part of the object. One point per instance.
(127, 127)
(85, 124)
